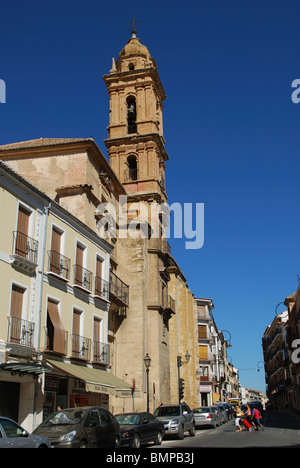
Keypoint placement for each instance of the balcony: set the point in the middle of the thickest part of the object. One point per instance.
(101, 353)
(56, 340)
(58, 265)
(25, 252)
(119, 291)
(101, 289)
(83, 279)
(168, 303)
(81, 347)
(20, 336)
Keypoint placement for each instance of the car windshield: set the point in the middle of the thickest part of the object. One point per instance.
(167, 411)
(68, 416)
(126, 419)
(205, 409)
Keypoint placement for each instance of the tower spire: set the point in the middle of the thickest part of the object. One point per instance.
(133, 29)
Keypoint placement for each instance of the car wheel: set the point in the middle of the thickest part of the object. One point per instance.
(136, 443)
(83, 444)
(181, 433)
(192, 431)
(158, 440)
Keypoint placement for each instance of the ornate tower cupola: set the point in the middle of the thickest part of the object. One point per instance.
(135, 143)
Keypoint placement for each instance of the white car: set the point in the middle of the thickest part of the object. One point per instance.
(12, 435)
(177, 419)
(207, 416)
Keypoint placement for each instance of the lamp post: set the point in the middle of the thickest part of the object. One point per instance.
(180, 362)
(277, 307)
(147, 362)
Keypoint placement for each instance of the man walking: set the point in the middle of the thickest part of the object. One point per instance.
(256, 419)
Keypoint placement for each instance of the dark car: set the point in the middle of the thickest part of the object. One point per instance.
(14, 436)
(139, 428)
(227, 408)
(80, 428)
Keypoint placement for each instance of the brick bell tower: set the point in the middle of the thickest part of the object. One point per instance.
(135, 143)
(137, 155)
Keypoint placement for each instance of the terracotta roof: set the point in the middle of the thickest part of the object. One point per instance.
(40, 142)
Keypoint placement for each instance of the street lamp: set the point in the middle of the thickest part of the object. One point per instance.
(147, 362)
(180, 362)
(277, 307)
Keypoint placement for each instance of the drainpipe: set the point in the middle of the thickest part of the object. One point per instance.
(39, 355)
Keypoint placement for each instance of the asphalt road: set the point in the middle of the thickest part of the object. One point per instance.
(281, 430)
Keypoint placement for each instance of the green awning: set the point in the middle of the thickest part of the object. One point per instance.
(25, 368)
(96, 380)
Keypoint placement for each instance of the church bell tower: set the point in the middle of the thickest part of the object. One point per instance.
(135, 143)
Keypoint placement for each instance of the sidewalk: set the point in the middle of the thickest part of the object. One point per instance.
(281, 419)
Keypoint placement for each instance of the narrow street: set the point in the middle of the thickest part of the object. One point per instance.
(280, 430)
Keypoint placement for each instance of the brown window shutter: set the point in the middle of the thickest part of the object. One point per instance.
(59, 331)
(16, 313)
(79, 264)
(98, 282)
(55, 251)
(22, 232)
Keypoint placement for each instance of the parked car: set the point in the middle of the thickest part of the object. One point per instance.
(12, 435)
(139, 428)
(207, 416)
(223, 413)
(228, 410)
(177, 419)
(81, 427)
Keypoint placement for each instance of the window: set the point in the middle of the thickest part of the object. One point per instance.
(202, 334)
(21, 245)
(82, 277)
(80, 344)
(92, 419)
(203, 354)
(16, 310)
(131, 114)
(11, 429)
(101, 286)
(132, 167)
(56, 335)
(203, 373)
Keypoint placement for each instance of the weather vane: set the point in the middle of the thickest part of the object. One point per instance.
(133, 26)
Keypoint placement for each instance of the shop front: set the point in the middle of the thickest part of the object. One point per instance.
(71, 385)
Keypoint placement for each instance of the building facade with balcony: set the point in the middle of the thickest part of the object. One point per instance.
(55, 275)
(276, 359)
(75, 174)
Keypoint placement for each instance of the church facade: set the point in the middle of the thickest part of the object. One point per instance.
(152, 312)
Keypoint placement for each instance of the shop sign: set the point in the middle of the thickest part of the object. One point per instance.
(51, 383)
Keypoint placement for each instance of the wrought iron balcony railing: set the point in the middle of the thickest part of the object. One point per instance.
(83, 278)
(20, 331)
(119, 291)
(101, 353)
(58, 264)
(101, 288)
(25, 246)
(81, 347)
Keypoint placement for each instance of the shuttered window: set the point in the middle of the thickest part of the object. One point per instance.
(55, 251)
(16, 308)
(203, 354)
(22, 232)
(98, 279)
(202, 334)
(56, 336)
(79, 264)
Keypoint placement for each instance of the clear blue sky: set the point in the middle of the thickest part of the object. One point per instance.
(231, 129)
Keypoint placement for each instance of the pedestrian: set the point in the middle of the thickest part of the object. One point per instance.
(256, 418)
(248, 416)
(238, 415)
